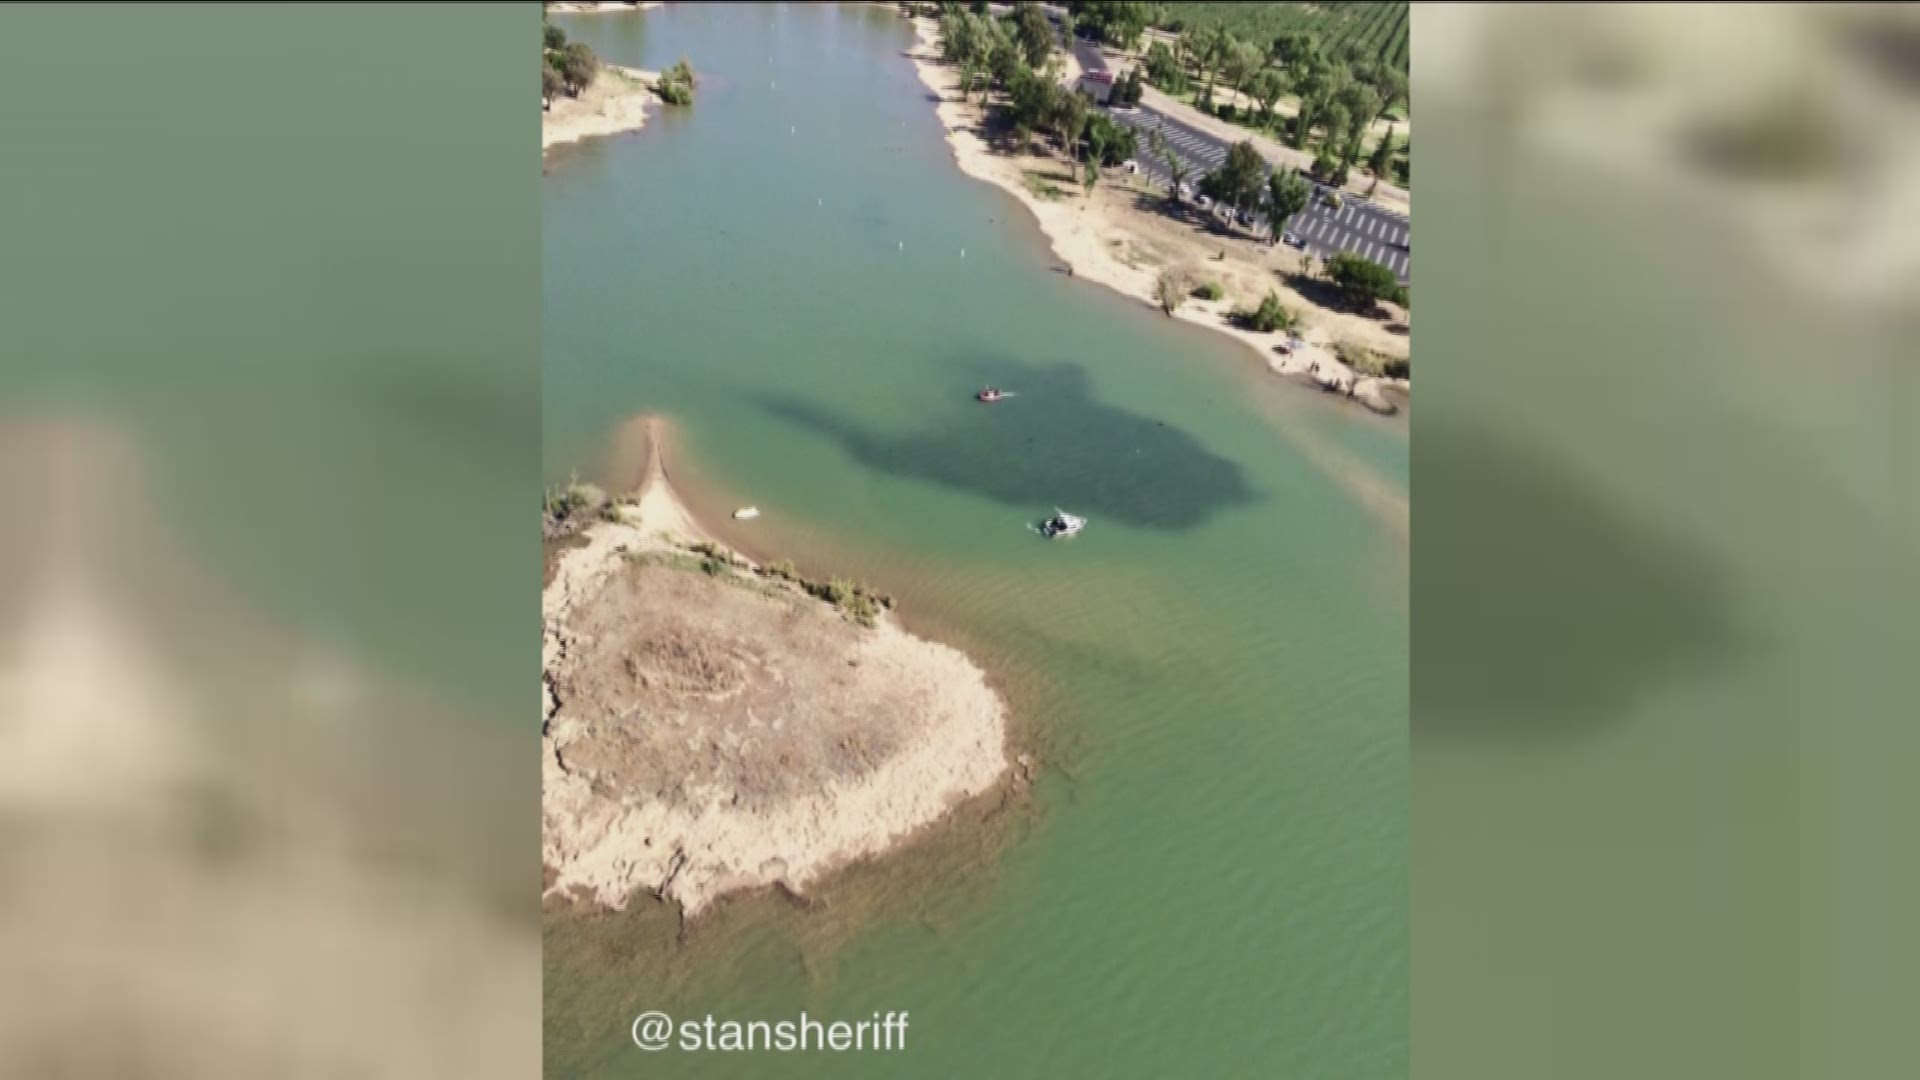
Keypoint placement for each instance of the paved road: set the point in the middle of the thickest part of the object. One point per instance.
(1358, 226)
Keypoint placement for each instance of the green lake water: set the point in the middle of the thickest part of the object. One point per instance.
(1210, 878)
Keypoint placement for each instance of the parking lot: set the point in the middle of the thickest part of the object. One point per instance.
(1358, 226)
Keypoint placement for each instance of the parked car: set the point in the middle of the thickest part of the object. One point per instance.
(1292, 239)
(1332, 199)
(1202, 202)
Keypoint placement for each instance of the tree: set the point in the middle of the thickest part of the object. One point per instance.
(578, 66)
(1266, 88)
(1164, 70)
(1292, 47)
(553, 37)
(1177, 173)
(1316, 84)
(1214, 46)
(1091, 174)
(1362, 280)
(1286, 195)
(1032, 99)
(1070, 119)
(1266, 318)
(1004, 63)
(1242, 61)
(1001, 50)
(1176, 169)
(1325, 165)
(1362, 104)
(1334, 119)
(1115, 23)
(1392, 86)
(1202, 44)
(1032, 32)
(1112, 142)
(552, 84)
(964, 36)
(1382, 154)
(1126, 89)
(1240, 179)
(676, 84)
(969, 74)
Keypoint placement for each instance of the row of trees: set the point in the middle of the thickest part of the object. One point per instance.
(995, 47)
(1119, 24)
(1242, 183)
(1015, 55)
(1341, 97)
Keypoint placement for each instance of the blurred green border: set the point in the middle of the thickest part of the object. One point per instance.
(293, 251)
(1663, 584)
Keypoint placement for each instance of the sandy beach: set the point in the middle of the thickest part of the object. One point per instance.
(1109, 238)
(709, 726)
(616, 102)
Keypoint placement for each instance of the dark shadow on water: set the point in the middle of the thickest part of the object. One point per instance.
(1051, 444)
(1540, 612)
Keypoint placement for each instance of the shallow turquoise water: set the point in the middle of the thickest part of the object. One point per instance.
(1214, 880)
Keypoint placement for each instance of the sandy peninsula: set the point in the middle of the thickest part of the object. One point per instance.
(712, 726)
(616, 101)
(1107, 236)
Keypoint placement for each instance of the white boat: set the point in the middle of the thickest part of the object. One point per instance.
(746, 513)
(1061, 524)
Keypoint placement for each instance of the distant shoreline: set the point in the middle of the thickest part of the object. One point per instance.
(1085, 234)
(610, 8)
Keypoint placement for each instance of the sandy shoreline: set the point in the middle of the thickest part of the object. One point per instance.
(616, 102)
(1105, 238)
(712, 729)
(608, 7)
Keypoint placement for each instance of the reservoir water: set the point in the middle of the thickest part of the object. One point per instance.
(1210, 877)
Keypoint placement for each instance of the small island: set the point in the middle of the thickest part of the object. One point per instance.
(713, 726)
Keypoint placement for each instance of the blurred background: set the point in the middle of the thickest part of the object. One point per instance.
(269, 429)
(1665, 559)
